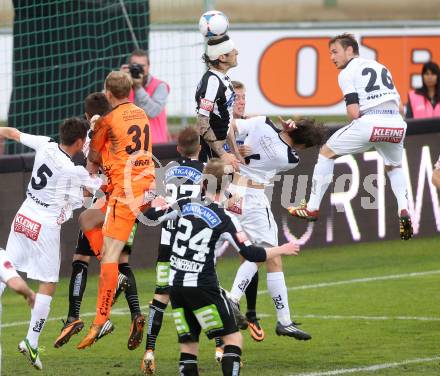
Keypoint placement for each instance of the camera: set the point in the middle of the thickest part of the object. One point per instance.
(136, 70)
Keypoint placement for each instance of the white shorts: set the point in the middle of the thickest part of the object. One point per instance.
(34, 248)
(252, 209)
(7, 270)
(385, 134)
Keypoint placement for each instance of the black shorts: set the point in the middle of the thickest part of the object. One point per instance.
(83, 246)
(163, 261)
(197, 308)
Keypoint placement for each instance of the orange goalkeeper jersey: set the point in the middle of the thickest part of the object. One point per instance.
(123, 139)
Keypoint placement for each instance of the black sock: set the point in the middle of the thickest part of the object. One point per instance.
(188, 365)
(251, 293)
(131, 293)
(155, 318)
(231, 360)
(78, 282)
(218, 342)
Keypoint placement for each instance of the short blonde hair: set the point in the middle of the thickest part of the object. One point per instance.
(119, 84)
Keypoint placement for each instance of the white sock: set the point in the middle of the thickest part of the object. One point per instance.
(322, 177)
(398, 185)
(243, 277)
(39, 315)
(278, 291)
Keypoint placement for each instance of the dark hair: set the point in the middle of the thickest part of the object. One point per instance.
(73, 129)
(212, 42)
(214, 63)
(308, 132)
(434, 68)
(346, 40)
(140, 53)
(188, 141)
(97, 104)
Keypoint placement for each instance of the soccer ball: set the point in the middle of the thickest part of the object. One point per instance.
(213, 24)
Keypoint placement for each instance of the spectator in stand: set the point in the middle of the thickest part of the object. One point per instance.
(425, 101)
(148, 93)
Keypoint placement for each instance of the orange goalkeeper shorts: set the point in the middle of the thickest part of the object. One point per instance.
(122, 212)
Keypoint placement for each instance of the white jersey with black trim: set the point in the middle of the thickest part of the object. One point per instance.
(372, 84)
(270, 154)
(56, 185)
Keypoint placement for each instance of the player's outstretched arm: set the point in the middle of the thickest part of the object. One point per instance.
(160, 210)
(287, 249)
(10, 133)
(235, 235)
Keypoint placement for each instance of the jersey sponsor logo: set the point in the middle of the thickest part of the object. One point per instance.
(185, 265)
(385, 134)
(202, 212)
(27, 227)
(36, 200)
(206, 104)
(189, 173)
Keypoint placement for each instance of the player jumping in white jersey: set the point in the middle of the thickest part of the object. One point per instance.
(373, 105)
(54, 191)
(273, 151)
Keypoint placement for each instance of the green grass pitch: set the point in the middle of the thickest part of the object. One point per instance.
(371, 309)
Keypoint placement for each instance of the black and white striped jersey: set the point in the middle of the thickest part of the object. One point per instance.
(181, 179)
(200, 230)
(215, 98)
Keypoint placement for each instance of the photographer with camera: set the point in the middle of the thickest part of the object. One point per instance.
(148, 93)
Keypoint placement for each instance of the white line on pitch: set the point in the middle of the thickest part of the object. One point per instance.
(354, 317)
(378, 318)
(122, 311)
(116, 311)
(125, 311)
(359, 280)
(373, 368)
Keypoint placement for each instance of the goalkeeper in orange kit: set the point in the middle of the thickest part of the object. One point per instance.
(121, 143)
